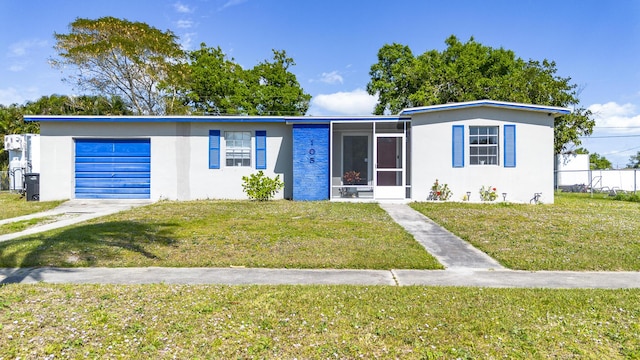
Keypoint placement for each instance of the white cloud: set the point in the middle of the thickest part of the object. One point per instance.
(22, 48)
(332, 77)
(356, 102)
(231, 3)
(182, 8)
(12, 95)
(616, 117)
(16, 67)
(186, 40)
(184, 24)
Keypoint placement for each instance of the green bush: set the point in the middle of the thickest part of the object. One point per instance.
(260, 187)
(627, 197)
(439, 192)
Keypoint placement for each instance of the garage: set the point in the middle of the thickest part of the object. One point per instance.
(112, 168)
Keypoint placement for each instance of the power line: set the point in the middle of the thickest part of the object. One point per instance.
(616, 127)
(620, 151)
(609, 136)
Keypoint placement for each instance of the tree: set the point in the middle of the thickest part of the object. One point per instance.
(218, 85)
(598, 162)
(634, 161)
(275, 90)
(12, 120)
(391, 78)
(471, 71)
(76, 105)
(215, 84)
(117, 57)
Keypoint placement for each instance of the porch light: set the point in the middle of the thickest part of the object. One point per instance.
(504, 196)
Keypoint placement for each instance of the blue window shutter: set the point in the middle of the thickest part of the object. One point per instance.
(261, 149)
(214, 149)
(509, 146)
(457, 150)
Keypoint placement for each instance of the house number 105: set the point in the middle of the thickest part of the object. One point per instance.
(312, 153)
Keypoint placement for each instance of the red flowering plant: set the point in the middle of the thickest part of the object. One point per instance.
(351, 177)
(439, 192)
(488, 193)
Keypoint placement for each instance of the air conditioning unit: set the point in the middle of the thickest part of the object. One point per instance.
(13, 142)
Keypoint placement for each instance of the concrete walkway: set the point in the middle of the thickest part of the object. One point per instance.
(465, 265)
(451, 251)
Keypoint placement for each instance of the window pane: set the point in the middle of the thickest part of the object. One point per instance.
(238, 151)
(483, 145)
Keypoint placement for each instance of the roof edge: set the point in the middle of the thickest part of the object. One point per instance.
(212, 119)
(555, 110)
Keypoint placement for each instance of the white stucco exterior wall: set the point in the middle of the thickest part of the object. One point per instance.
(431, 148)
(179, 157)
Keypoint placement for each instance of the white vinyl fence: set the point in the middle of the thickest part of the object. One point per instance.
(611, 181)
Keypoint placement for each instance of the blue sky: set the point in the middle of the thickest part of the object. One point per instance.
(334, 43)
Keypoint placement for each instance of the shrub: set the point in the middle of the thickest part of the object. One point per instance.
(627, 197)
(260, 187)
(439, 191)
(488, 193)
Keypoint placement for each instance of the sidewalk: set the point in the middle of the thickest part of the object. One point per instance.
(250, 276)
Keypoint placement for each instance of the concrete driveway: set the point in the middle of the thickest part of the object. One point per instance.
(72, 212)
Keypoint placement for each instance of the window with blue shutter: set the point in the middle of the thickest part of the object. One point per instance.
(214, 149)
(509, 146)
(261, 149)
(457, 150)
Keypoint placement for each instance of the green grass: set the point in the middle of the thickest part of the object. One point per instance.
(12, 205)
(576, 233)
(275, 234)
(316, 322)
(21, 225)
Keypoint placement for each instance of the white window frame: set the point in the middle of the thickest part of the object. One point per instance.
(238, 149)
(484, 145)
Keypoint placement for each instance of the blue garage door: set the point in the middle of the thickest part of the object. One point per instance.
(113, 168)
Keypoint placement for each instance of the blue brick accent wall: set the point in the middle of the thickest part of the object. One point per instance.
(310, 162)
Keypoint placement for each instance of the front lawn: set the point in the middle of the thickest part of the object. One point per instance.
(576, 233)
(46, 321)
(275, 234)
(13, 205)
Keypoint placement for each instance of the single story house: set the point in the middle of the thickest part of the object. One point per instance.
(506, 146)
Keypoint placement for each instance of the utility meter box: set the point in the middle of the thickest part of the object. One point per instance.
(14, 142)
